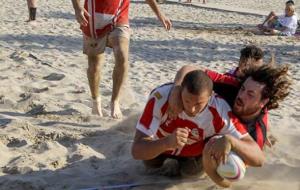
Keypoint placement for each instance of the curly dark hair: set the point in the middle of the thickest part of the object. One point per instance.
(277, 82)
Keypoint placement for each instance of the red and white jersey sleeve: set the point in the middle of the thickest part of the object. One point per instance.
(222, 78)
(154, 110)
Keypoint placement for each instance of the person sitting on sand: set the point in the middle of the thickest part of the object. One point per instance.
(284, 25)
(159, 137)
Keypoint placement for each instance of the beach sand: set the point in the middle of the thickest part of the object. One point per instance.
(49, 139)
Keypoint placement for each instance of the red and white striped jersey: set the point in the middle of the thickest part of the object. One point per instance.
(104, 15)
(216, 118)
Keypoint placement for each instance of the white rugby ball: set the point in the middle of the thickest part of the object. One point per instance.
(234, 169)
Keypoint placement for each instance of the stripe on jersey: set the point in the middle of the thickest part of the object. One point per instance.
(217, 121)
(147, 116)
(237, 124)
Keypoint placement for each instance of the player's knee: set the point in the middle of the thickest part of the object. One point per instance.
(191, 167)
(121, 59)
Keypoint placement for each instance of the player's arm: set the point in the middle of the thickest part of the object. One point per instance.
(247, 149)
(235, 138)
(146, 145)
(80, 13)
(146, 148)
(216, 152)
(214, 76)
(183, 71)
(163, 19)
(210, 167)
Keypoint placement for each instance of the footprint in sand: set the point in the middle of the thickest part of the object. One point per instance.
(4, 122)
(24, 96)
(54, 77)
(17, 170)
(37, 110)
(39, 90)
(14, 142)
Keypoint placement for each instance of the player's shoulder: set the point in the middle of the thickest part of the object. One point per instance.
(218, 102)
(162, 92)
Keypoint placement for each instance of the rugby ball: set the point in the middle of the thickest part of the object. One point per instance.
(234, 169)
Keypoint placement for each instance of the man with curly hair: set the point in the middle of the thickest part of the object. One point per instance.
(262, 89)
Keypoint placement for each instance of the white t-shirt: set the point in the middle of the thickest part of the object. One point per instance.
(290, 23)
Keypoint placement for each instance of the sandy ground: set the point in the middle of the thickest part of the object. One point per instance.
(48, 138)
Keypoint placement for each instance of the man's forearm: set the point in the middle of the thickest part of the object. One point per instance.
(145, 149)
(210, 167)
(154, 7)
(248, 150)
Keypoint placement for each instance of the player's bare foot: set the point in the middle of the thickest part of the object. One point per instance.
(116, 110)
(96, 107)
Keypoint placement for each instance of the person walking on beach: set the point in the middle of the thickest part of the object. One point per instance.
(106, 23)
(32, 7)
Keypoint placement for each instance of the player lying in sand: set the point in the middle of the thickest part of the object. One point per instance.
(257, 91)
(284, 25)
(204, 114)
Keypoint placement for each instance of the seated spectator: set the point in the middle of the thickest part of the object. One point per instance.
(284, 25)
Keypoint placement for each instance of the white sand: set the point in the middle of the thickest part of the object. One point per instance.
(48, 138)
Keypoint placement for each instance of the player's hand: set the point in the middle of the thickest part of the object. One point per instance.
(175, 102)
(219, 149)
(166, 22)
(81, 16)
(178, 138)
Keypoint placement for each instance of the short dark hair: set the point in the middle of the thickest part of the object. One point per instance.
(277, 82)
(290, 2)
(197, 82)
(252, 51)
